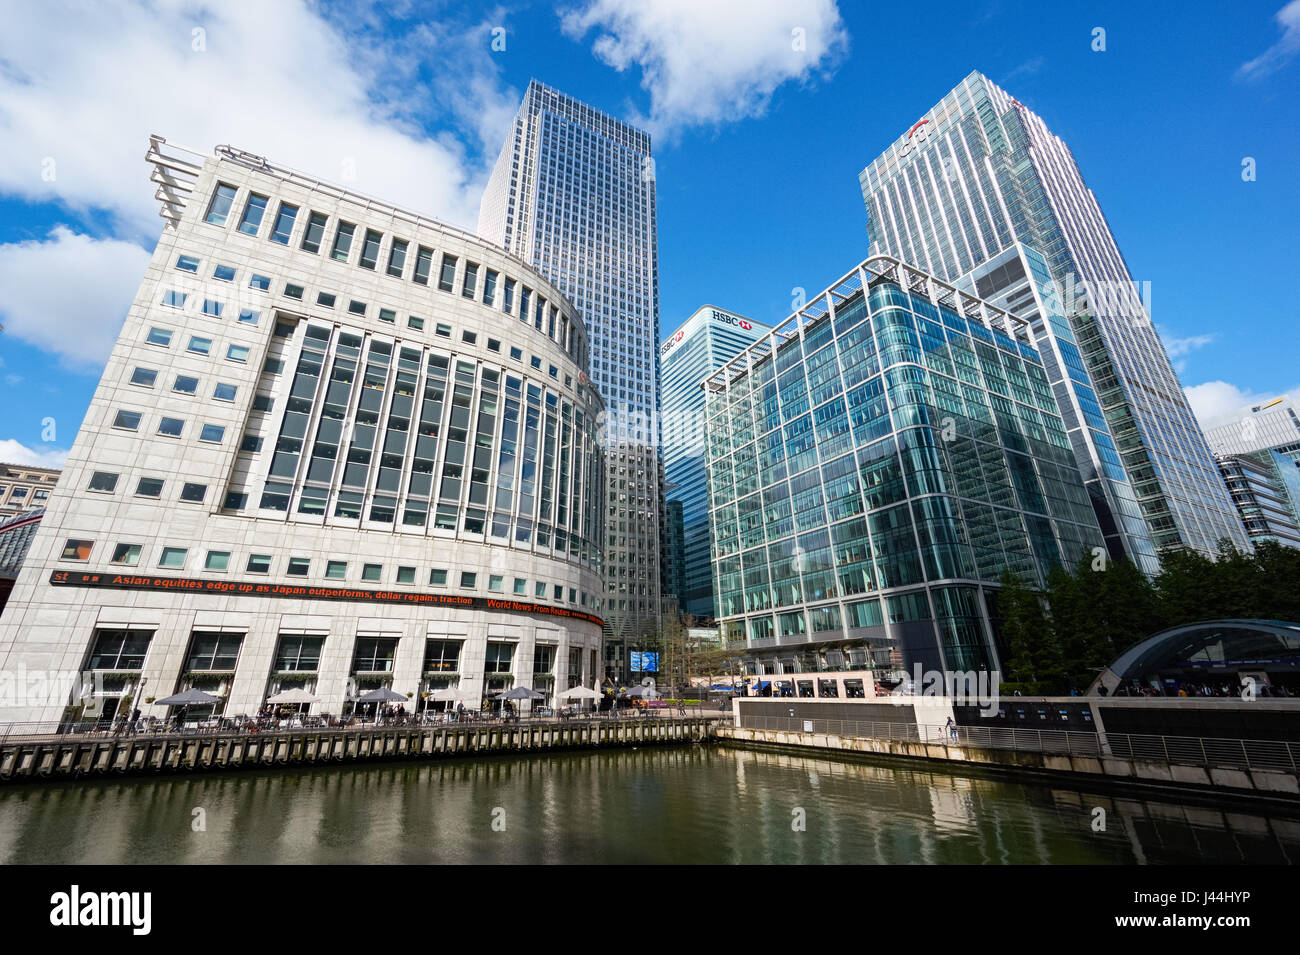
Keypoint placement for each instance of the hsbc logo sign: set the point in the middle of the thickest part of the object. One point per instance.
(668, 346)
(722, 318)
(726, 319)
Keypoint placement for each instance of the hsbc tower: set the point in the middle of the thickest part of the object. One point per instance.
(708, 339)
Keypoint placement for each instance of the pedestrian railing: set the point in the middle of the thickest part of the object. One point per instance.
(1183, 750)
(230, 726)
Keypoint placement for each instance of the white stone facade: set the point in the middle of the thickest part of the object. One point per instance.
(302, 461)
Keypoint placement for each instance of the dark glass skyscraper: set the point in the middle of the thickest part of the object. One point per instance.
(573, 194)
(980, 172)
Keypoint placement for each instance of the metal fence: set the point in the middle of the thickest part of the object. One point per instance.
(1183, 750)
(227, 726)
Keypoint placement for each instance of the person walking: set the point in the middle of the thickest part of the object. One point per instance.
(952, 729)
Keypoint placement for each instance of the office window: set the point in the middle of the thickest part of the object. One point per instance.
(314, 233)
(199, 345)
(284, 223)
(218, 560)
(260, 282)
(557, 593)
(324, 299)
(235, 501)
(172, 557)
(251, 442)
(496, 583)
(447, 278)
(212, 433)
(171, 427)
(489, 287)
(423, 265)
(159, 336)
(174, 299)
(540, 589)
(186, 385)
(416, 323)
(219, 208)
(103, 481)
(293, 291)
(193, 493)
(493, 345)
(469, 338)
(388, 315)
(370, 249)
(224, 391)
(76, 550)
(508, 297)
(262, 402)
(469, 287)
(342, 241)
(437, 578)
(397, 258)
(224, 273)
(237, 353)
(273, 366)
(356, 308)
(149, 487)
(146, 377)
(127, 420)
(248, 316)
(128, 554)
(254, 209)
(212, 308)
(298, 566)
(406, 575)
(468, 579)
(443, 329)
(259, 563)
(516, 353)
(187, 263)
(372, 573)
(336, 570)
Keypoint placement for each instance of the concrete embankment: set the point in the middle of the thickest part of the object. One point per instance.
(1277, 786)
(68, 757)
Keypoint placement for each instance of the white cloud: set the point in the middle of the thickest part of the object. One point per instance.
(84, 88)
(1217, 403)
(15, 452)
(708, 61)
(1178, 347)
(1281, 52)
(69, 293)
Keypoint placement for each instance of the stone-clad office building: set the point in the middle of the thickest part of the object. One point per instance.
(327, 451)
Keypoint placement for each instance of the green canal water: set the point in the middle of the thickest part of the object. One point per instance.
(695, 804)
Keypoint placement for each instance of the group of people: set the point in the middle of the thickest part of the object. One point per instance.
(1197, 690)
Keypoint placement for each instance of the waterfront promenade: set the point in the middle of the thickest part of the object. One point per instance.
(71, 755)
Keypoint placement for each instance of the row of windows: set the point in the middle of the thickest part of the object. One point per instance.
(169, 427)
(370, 254)
(218, 561)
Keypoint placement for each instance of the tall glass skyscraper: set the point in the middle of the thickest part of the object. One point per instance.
(875, 463)
(573, 194)
(979, 172)
(708, 339)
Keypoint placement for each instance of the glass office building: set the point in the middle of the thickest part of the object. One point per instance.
(979, 172)
(1271, 426)
(1265, 487)
(875, 463)
(705, 341)
(1017, 279)
(573, 194)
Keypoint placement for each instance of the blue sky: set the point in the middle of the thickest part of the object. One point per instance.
(758, 146)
